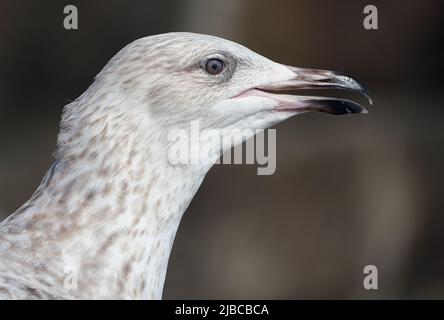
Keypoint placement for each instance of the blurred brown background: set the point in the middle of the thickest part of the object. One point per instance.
(348, 191)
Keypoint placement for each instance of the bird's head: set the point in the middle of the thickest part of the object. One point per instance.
(182, 77)
(175, 78)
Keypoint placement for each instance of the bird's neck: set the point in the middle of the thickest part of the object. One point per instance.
(105, 217)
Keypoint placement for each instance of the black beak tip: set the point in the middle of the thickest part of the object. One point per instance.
(341, 107)
(353, 107)
(366, 94)
(353, 85)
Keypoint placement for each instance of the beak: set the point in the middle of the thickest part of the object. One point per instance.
(315, 79)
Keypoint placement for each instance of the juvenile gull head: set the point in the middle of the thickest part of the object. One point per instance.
(103, 220)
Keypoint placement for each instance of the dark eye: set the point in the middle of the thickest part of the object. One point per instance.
(214, 66)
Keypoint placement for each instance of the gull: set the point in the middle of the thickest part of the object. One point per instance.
(102, 223)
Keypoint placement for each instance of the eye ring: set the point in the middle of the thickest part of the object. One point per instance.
(214, 66)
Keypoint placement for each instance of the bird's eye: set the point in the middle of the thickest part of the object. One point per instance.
(214, 66)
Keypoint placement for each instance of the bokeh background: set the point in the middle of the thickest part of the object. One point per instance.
(348, 191)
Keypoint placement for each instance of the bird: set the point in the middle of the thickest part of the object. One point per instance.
(102, 223)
